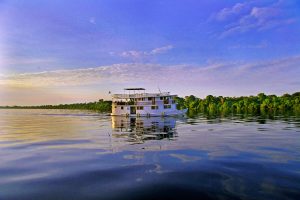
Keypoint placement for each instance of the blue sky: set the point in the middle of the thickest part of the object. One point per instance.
(74, 51)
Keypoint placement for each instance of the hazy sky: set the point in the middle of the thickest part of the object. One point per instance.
(54, 51)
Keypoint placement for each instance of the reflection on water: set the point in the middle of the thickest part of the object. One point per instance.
(61, 154)
(144, 128)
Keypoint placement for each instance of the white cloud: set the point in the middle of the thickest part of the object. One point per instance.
(226, 13)
(141, 54)
(160, 50)
(214, 73)
(134, 54)
(118, 73)
(251, 16)
(272, 66)
(220, 78)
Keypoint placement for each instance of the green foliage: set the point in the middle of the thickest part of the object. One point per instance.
(260, 104)
(101, 106)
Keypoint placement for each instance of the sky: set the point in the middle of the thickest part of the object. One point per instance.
(54, 51)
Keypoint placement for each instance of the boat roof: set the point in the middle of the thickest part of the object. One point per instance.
(134, 89)
(141, 95)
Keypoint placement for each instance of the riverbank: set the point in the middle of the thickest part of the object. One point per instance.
(212, 105)
(260, 104)
(101, 106)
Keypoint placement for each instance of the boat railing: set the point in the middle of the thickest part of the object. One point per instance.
(144, 103)
(140, 95)
(122, 103)
(138, 103)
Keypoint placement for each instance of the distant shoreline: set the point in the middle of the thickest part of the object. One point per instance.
(101, 106)
(259, 104)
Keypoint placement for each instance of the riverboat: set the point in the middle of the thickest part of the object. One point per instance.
(136, 102)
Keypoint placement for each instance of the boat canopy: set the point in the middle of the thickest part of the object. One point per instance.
(134, 89)
(141, 95)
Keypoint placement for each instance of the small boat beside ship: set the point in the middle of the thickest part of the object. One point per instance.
(136, 102)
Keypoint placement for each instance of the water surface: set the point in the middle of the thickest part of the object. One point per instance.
(62, 154)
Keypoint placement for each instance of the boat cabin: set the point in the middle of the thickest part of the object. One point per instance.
(136, 102)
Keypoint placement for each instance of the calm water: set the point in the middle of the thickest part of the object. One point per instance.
(60, 154)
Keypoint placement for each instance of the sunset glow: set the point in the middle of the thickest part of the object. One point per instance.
(61, 52)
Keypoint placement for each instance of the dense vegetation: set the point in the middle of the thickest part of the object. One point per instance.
(260, 104)
(211, 105)
(101, 106)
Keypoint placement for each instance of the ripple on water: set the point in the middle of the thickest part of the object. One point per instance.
(59, 154)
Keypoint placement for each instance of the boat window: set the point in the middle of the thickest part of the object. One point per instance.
(154, 107)
(161, 98)
(149, 98)
(122, 107)
(167, 106)
(140, 107)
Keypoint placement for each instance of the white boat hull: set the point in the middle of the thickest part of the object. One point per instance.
(149, 114)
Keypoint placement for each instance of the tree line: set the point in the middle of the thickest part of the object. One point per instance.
(101, 106)
(260, 104)
(213, 105)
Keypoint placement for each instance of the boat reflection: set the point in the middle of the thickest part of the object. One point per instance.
(141, 129)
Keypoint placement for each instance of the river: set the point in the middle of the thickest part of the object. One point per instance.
(69, 154)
